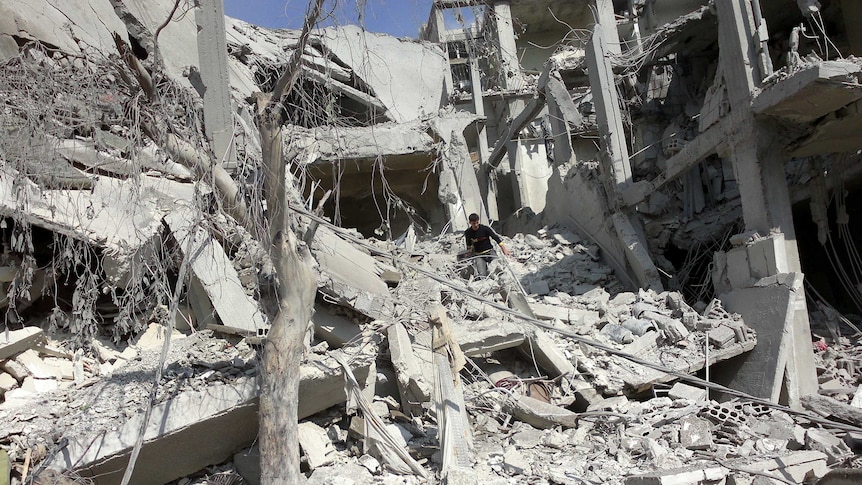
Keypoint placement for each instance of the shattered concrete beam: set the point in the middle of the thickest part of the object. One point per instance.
(346, 90)
(19, 340)
(692, 153)
(225, 417)
(528, 114)
(326, 66)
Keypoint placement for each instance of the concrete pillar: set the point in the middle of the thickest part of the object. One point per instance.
(615, 162)
(440, 38)
(758, 163)
(212, 51)
(608, 20)
(608, 113)
(511, 76)
(488, 195)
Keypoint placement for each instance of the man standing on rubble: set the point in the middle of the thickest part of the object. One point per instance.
(478, 238)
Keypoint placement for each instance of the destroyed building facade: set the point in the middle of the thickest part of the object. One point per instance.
(678, 179)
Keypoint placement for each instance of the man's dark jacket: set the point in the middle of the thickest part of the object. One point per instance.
(480, 239)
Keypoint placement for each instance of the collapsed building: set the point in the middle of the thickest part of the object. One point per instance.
(668, 174)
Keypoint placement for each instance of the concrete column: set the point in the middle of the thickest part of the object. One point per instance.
(212, 51)
(440, 33)
(608, 20)
(758, 163)
(615, 162)
(488, 195)
(607, 109)
(508, 49)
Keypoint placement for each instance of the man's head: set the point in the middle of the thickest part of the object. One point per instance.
(474, 220)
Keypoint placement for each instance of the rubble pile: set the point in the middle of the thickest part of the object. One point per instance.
(546, 404)
(138, 287)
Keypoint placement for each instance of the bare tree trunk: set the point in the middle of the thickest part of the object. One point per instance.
(296, 287)
(294, 266)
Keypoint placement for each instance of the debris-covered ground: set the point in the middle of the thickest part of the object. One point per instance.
(607, 420)
(132, 209)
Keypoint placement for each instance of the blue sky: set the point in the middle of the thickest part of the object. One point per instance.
(401, 18)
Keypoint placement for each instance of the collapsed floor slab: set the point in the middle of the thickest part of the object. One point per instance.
(223, 417)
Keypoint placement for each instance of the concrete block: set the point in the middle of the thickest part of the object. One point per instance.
(826, 442)
(515, 463)
(721, 336)
(579, 316)
(37, 386)
(247, 463)
(16, 341)
(547, 355)
(315, 445)
(550, 312)
(539, 288)
(336, 330)
(457, 475)
(15, 369)
(738, 271)
(153, 338)
(36, 366)
(767, 256)
(684, 391)
(412, 386)
(613, 404)
(798, 466)
(695, 433)
(7, 382)
(485, 336)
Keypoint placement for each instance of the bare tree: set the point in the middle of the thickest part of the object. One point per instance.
(296, 288)
(295, 277)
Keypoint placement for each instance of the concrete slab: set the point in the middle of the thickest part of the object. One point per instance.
(216, 273)
(15, 341)
(349, 275)
(223, 416)
(116, 215)
(406, 76)
(770, 311)
(811, 92)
